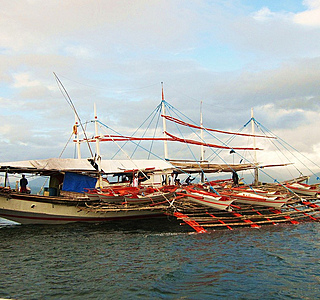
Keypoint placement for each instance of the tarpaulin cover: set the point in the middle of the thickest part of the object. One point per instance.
(77, 183)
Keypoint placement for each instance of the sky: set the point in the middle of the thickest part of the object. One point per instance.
(232, 55)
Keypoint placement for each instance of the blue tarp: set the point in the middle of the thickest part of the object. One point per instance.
(77, 183)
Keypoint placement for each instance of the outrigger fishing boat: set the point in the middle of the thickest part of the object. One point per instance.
(304, 189)
(260, 200)
(80, 192)
(67, 199)
(206, 198)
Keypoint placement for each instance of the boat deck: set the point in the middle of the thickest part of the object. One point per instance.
(200, 217)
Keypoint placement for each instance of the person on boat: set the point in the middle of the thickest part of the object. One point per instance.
(23, 184)
(164, 179)
(235, 178)
(135, 181)
(177, 182)
(189, 180)
(173, 177)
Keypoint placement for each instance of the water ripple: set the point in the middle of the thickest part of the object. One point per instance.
(146, 261)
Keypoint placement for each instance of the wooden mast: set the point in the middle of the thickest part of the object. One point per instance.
(96, 132)
(76, 133)
(256, 173)
(163, 108)
(201, 135)
(97, 138)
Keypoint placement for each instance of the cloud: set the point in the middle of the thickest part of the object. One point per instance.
(265, 14)
(116, 53)
(310, 17)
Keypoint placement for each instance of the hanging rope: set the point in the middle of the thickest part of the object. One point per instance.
(69, 101)
(284, 144)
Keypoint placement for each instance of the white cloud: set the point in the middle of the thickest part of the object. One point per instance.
(100, 48)
(265, 14)
(24, 80)
(310, 17)
(80, 52)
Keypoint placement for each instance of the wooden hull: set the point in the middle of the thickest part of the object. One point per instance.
(154, 197)
(210, 201)
(26, 211)
(110, 199)
(300, 189)
(255, 191)
(249, 198)
(93, 196)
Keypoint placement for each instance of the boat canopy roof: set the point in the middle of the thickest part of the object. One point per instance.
(53, 165)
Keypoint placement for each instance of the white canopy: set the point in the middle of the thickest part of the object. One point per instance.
(83, 165)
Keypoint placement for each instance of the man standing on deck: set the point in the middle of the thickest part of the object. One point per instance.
(23, 184)
(235, 178)
(135, 181)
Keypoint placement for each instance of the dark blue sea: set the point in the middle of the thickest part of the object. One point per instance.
(158, 259)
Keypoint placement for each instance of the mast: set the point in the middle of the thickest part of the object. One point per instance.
(163, 112)
(256, 173)
(75, 131)
(201, 136)
(6, 183)
(96, 132)
(97, 138)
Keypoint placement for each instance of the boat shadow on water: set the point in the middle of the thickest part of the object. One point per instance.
(152, 225)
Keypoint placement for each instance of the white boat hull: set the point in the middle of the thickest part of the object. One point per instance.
(210, 201)
(154, 197)
(249, 198)
(110, 199)
(35, 212)
(300, 189)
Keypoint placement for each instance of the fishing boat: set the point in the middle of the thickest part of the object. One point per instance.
(304, 189)
(261, 192)
(79, 189)
(207, 199)
(31, 209)
(110, 197)
(255, 199)
(67, 201)
(153, 197)
(116, 194)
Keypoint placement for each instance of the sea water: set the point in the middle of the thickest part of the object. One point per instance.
(158, 259)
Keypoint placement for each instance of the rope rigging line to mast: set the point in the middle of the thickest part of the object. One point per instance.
(171, 108)
(283, 143)
(68, 99)
(213, 130)
(217, 154)
(153, 112)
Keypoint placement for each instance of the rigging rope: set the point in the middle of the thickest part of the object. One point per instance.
(68, 99)
(213, 130)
